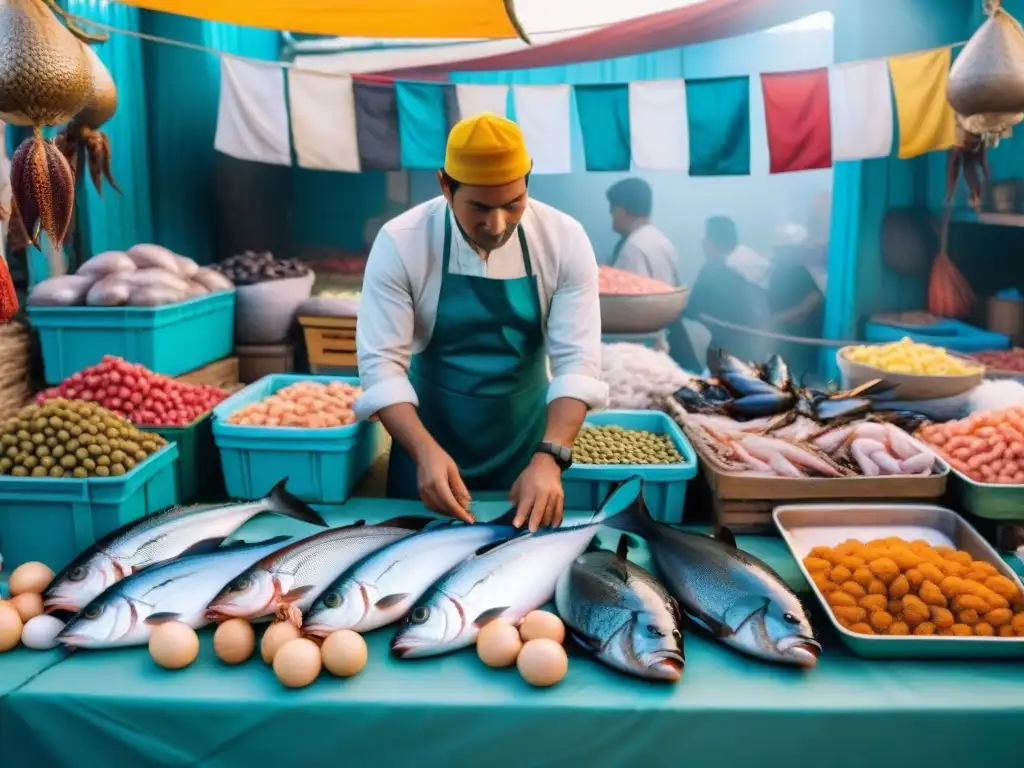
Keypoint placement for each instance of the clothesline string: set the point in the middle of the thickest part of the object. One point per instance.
(810, 341)
(288, 65)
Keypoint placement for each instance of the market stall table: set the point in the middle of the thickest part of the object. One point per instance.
(122, 710)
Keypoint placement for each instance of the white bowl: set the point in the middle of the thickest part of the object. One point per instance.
(644, 313)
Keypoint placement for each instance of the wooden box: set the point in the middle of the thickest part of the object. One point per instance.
(330, 342)
(221, 373)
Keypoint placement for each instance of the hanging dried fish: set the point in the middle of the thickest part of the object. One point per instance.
(84, 128)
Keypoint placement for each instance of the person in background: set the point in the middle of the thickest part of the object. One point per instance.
(731, 292)
(465, 300)
(643, 249)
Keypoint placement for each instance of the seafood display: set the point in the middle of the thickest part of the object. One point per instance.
(908, 356)
(986, 447)
(613, 281)
(638, 377)
(622, 614)
(383, 587)
(616, 445)
(803, 448)
(175, 532)
(127, 612)
(735, 596)
(288, 581)
(894, 587)
(504, 582)
(1002, 359)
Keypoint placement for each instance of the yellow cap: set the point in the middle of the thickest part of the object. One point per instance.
(486, 151)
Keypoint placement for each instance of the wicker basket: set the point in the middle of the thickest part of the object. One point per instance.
(15, 349)
(330, 342)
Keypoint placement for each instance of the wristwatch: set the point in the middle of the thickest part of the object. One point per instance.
(561, 454)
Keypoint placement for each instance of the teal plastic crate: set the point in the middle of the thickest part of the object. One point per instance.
(51, 520)
(586, 485)
(198, 464)
(322, 465)
(172, 339)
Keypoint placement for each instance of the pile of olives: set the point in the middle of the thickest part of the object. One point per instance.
(72, 438)
(251, 267)
(616, 445)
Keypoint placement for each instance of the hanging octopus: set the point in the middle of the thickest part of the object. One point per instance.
(45, 80)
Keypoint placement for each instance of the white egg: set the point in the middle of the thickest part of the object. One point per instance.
(40, 632)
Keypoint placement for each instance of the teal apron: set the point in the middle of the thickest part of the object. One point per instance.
(482, 379)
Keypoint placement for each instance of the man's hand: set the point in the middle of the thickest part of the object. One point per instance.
(440, 485)
(538, 493)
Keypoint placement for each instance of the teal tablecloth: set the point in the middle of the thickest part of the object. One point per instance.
(116, 708)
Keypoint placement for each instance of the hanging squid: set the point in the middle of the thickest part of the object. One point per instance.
(45, 80)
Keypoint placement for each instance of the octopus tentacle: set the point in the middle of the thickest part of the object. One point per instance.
(97, 147)
(43, 188)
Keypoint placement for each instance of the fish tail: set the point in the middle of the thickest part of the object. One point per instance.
(633, 519)
(284, 503)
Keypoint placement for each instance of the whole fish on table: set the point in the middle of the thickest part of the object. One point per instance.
(380, 589)
(178, 531)
(287, 582)
(622, 614)
(738, 598)
(126, 613)
(504, 581)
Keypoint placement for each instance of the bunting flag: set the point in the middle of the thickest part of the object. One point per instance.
(718, 119)
(252, 120)
(927, 122)
(797, 120)
(542, 111)
(658, 126)
(426, 111)
(474, 99)
(605, 124)
(323, 112)
(377, 133)
(861, 104)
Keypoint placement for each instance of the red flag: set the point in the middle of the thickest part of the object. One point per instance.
(796, 114)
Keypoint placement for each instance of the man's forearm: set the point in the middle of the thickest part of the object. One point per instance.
(565, 418)
(403, 424)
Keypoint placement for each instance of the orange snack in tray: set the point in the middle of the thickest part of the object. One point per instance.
(986, 447)
(893, 587)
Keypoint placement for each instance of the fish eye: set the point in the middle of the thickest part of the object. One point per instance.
(333, 599)
(78, 573)
(791, 618)
(654, 631)
(419, 615)
(241, 584)
(92, 611)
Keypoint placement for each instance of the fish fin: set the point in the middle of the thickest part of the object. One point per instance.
(294, 594)
(156, 619)
(203, 547)
(620, 498)
(715, 627)
(389, 601)
(489, 615)
(493, 545)
(737, 614)
(625, 542)
(284, 503)
(635, 519)
(506, 518)
(726, 536)
(262, 543)
(412, 522)
(584, 641)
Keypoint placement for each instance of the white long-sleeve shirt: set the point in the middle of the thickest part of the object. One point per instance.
(402, 283)
(646, 251)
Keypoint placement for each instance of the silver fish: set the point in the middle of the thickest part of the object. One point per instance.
(732, 594)
(178, 531)
(506, 582)
(380, 589)
(287, 582)
(622, 614)
(126, 613)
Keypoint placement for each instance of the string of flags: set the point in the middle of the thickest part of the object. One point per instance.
(813, 118)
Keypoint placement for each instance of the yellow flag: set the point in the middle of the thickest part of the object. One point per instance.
(927, 122)
(356, 18)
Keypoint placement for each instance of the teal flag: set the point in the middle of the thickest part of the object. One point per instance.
(718, 114)
(423, 123)
(604, 123)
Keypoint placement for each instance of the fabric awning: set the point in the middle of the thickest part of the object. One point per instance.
(482, 19)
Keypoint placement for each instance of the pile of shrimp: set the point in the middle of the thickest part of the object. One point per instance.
(987, 447)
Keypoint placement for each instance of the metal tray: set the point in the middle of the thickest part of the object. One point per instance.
(804, 526)
(992, 501)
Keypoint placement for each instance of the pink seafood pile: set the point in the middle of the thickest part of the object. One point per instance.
(987, 447)
(802, 448)
(620, 282)
(304, 404)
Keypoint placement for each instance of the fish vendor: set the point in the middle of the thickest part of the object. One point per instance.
(466, 300)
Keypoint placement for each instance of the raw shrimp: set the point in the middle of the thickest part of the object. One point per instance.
(987, 447)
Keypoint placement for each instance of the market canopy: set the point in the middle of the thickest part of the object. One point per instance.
(448, 19)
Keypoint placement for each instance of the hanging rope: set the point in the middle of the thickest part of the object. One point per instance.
(808, 340)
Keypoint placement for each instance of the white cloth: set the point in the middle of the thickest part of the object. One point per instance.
(323, 113)
(252, 119)
(658, 128)
(542, 111)
(474, 99)
(648, 252)
(750, 264)
(402, 283)
(861, 107)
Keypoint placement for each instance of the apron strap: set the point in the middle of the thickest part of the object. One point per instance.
(446, 260)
